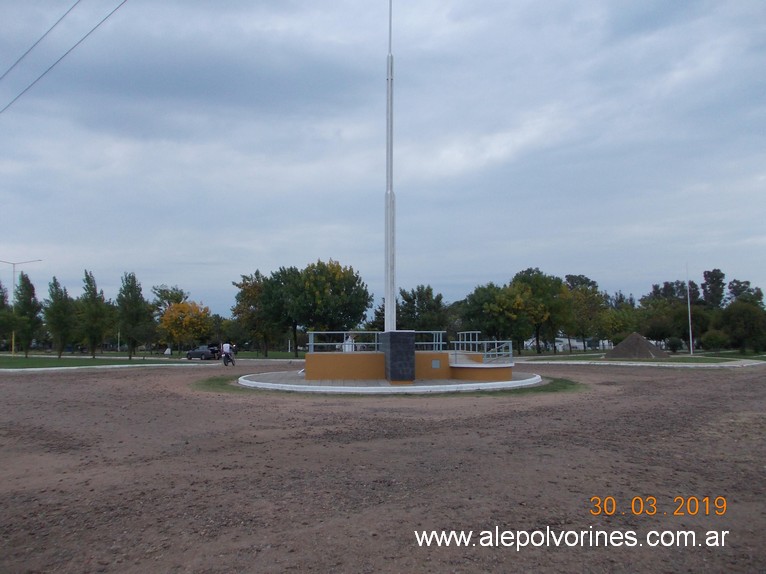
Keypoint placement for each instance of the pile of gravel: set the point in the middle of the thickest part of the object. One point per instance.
(636, 347)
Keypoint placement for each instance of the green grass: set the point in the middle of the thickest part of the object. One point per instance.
(566, 357)
(699, 359)
(42, 361)
(8, 361)
(220, 384)
(737, 355)
(225, 384)
(680, 358)
(555, 386)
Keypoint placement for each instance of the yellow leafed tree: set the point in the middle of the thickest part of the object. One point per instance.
(186, 323)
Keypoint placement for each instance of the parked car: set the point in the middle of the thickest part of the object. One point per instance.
(203, 352)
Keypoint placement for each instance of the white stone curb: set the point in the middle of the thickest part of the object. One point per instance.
(729, 365)
(391, 390)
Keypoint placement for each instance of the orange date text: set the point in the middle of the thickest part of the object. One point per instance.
(649, 506)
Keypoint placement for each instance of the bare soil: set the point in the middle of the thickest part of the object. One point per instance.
(138, 470)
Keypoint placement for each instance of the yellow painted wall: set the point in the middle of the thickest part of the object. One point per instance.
(345, 366)
(372, 366)
(424, 365)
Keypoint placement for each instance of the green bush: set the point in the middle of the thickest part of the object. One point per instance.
(714, 340)
(675, 344)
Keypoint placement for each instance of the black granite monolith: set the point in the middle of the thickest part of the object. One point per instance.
(399, 348)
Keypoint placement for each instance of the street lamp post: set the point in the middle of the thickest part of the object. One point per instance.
(13, 296)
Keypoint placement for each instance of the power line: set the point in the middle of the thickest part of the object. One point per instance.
(80, 41)
(24, 55)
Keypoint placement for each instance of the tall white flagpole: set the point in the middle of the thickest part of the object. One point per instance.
(390, 275)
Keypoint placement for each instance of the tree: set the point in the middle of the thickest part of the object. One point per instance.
(233, 331)
(545, 302)
(6, 316)
(421, 310)
(619, 319)
(742, 291)
(714, 340)
(26, 311)
(674, 291)
(482, 311)
(94, 314)
(701, 317)
(509, 307)
(323, 296)
(134, 313)
(745, 324)
(665, 311)
(334, 298)
(674, 344)
(378, 321)
(695, 296)
(713, 288)
(580, 281)
(587, 305)
(251, 313)
(658, 322)
(217, 328)
(186, 322)
(620, 301)
(560, 307)
(284, 302)
(165, 296)
(60, 318)
(454, 314)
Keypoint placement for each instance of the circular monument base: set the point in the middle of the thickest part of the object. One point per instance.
(294, 381)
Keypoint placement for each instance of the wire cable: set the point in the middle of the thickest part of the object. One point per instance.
(80, 41)
(24, 55)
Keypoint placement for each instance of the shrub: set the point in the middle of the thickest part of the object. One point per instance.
(675, 344)
(714, 340)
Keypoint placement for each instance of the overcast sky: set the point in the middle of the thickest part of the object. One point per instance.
(193, 142)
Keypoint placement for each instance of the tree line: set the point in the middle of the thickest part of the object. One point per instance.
(326, 296)
(92, 322)
(540, 307)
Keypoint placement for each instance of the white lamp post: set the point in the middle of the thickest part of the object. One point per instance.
(13, 295)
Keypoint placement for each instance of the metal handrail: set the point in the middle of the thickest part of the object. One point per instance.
(331, 341)
(490, 351)
(468, 345)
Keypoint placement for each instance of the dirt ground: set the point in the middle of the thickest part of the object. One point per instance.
(138, 470)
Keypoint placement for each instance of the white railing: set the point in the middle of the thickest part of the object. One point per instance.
(468, 349)
(430, 341)
(491, 352)
(349, 341)
(337, 341)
